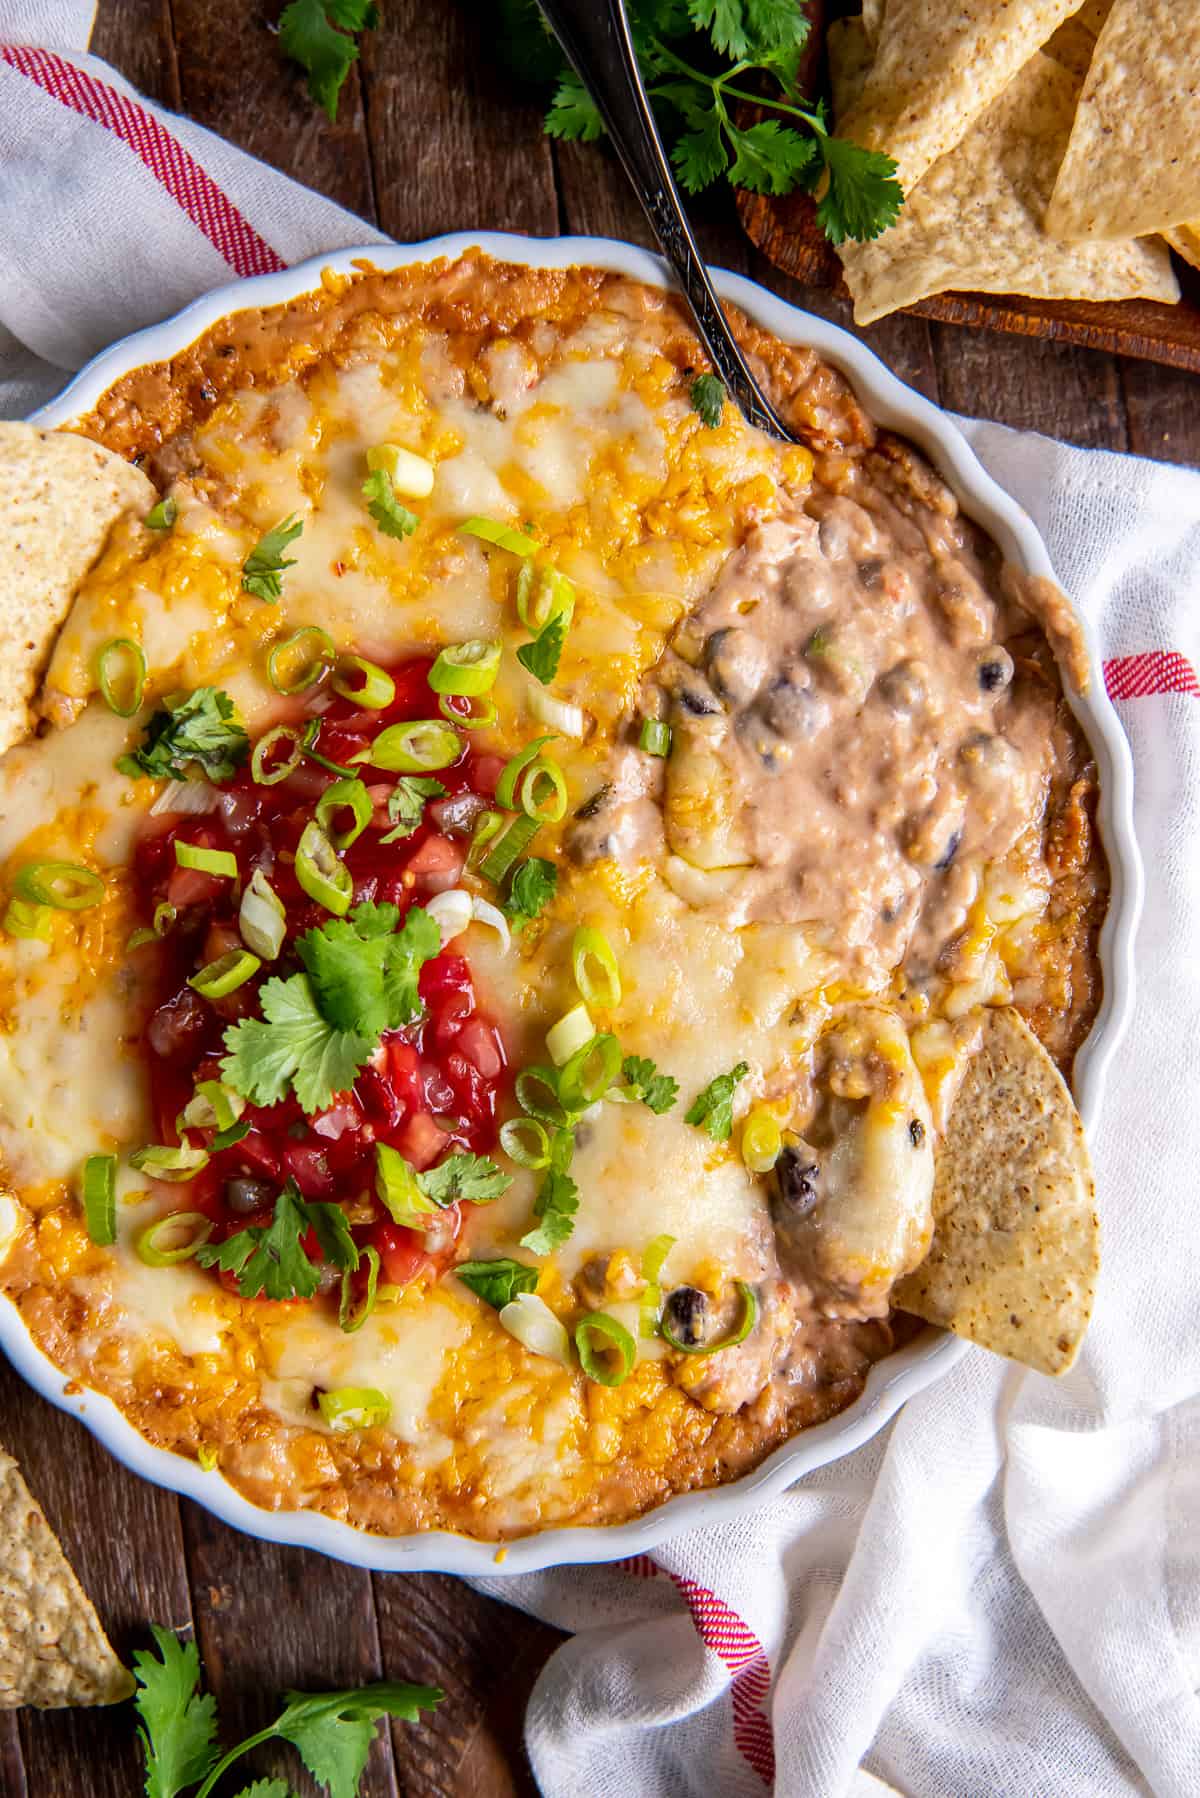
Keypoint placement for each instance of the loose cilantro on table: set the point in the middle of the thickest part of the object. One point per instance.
(331, 1731)
(643, 1081)
(464, 1176)
(497, 1282)
(708, 399)
(406, 804)
(192, 730)
(712, 1109)
(543, 655)
(262, 571)
(534, 884)
(319, 1027)
(308, 35)
(756, 44)
(393, 519)
(271, 1261)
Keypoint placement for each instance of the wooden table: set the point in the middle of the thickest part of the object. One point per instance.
(431, 138)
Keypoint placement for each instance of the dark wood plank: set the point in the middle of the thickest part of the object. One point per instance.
(123, 1539)
(13, 1783)
(1164, 412)
(269, 1619)
(234, 79)
(486, 1657)
(1036, 386)
(136, 38)
(453, 145)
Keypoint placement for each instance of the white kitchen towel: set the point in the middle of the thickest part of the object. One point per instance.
(1000, 1597)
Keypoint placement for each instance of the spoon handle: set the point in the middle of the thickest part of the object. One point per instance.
(596, 39)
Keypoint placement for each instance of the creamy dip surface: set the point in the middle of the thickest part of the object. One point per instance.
(875, 821)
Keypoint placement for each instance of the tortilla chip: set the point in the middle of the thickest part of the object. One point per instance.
(59, 497)
(850, 52)
(938, 67)
(52, 1649)
(1015, 1250)
(1185, 241)
(1133, 162)
(1074, 43)
(974, 223)
(871, 22)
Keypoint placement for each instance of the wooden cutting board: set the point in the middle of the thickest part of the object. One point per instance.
(786, 232)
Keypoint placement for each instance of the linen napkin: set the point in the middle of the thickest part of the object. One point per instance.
(1000, 1596)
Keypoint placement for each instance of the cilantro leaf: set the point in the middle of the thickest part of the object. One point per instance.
(292, 1044)
(497, 1282)
(556, 1204)
(534, 884)
(333, 1731)
(199, 728)
(464, 1176)
(712, 1109)
(573, 112)
(543, 655)
(262, 571)
(406, 804)
(178, 1729)
(272, 1262)
(372, 917)
(863, 197)
(267, 1788)
(393, 519)
(708, 399)
(700, 155)
(750, 29)
(417, 941)
(657, 1091)
(307, 36)
(346, 972)
(769, 157)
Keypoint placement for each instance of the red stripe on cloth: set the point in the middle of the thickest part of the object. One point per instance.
(735, 1643)
(1155, 671)
(193, 191)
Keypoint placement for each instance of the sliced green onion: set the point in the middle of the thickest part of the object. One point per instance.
(549, 805)
(349, 795)
(206, 1458)
(482, 713)
(137, 939)
(167, 1163)
(653, 1257)
(164, 917)
(593, 946)
(467, 668)
(530, 1320)
(655, 737)
(536, 1092)
(221, 862)
(513, 1141)
(762, 1141)
(373, 688)
(414, 748)
(606, 1350)
(100, 1198)
(573, 1031)
(213, 1106)
(261, 917)
(225, 1139)
(323, 877)
(352, 1317)
(162, 516)
(301, 660)
(308, 745)
(502, 535)
(397, 1189)
(590, 1072)
(173, 1238)
(543, 594)
(409, 474)
(510, 774)
(33, 921)
(64, 886)
(739, 1334)
(354, 1407)
(217, 979)
(121, 661)
(512, 844)
(487, 824)
(271, 776)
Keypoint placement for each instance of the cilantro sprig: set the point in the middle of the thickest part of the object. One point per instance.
(658, 1092)
(191, 730)
(263, 569)
(406, 804)
(755, 45)
(331, 1731)
(307, 34)
(534, 884)
(708, 399)
(497, 1282)
(712, 1109)
(319, 1027)
(271, 1261)
(393, 519)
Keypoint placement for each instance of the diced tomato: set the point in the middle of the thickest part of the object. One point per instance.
(480, 1044)
(344, 1114)
(437, 865)
(191, 886)
(401, 1253)
(420, 1140)
(257, 1156)
(308, 1166)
